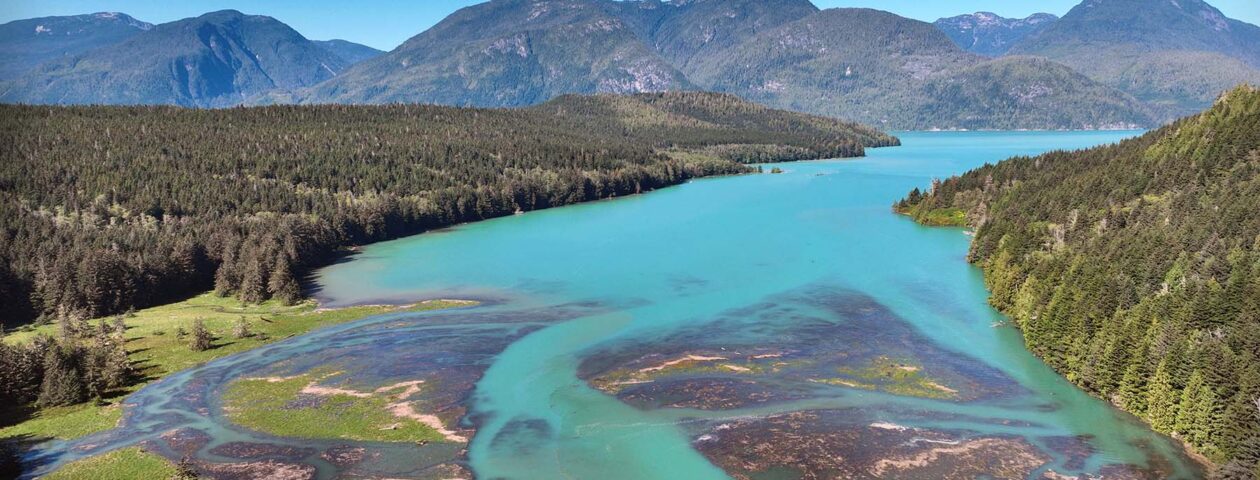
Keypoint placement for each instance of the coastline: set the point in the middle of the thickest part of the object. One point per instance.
(162, 355)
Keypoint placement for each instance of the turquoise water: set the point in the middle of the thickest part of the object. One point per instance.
(810, 264)
(681, 257)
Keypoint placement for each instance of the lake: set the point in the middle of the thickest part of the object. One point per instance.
(762, 326)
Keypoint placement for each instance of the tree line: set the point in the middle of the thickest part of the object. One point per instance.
(104, 209)
(1134, 270)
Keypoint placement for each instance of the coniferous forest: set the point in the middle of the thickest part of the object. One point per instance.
(1134, 270)
(105, 209)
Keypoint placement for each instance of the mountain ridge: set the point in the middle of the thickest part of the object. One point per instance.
(217, 59)
(990, 34)
(894, 72)
(1177, 56)
(24, 44)
(785, 53)
(349, 51)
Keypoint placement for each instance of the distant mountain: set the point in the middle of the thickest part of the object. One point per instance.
(882, 69)
(864, 65)
(858, 64)
(217, 59)
(27, 43)
(511, 53)
(683, 31)
(989, 34)
(1177, 55)
(351, 52)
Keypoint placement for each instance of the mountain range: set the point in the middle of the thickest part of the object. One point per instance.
(990, 34)
(218, 59)
(1175, 56)
(859, 64)
(27, 43)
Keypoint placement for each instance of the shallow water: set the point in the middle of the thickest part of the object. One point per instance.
(809, 266)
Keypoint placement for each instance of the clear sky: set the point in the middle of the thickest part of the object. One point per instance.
(385, 24)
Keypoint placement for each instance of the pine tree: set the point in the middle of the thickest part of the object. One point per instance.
(240, 329)
(1161, 400)
(1186, 412)
(1240, 421)
(1205, 423)
(282, 285)
(201, 338)
(63, 380)
(252, 288)
(116, 370)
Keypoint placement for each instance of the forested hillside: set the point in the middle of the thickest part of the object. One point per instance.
(27, 43)
(508, 53)
(881, 69)
(1176, 56)
(863, 65)
(1134, 269)
(215, 60)
(107, 208)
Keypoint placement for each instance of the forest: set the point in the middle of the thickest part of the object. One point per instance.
(1134, 270)
(106, 209)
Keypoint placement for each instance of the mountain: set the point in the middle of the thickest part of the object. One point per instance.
(27, 43)
(1026, 93)
(351, 52)
(864, 65)
(683, 31)
(878, 68)
(510, 53)
(1176, 55)
(1134, 269)
(991, 35)
(859, 64)
(217, 59)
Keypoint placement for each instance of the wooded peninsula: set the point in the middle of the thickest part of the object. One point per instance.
(106, 209)
(1134, 269)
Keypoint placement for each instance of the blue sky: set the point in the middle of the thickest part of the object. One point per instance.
(386, 23)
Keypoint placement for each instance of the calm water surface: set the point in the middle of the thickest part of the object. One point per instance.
(739, 263)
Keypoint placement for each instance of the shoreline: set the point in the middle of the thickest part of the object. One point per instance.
(161, 355)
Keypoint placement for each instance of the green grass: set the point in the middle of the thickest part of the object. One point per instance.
(898, 378)
(265, 405)
(125, 464)
(156, 352)
(61, 422)
(943, 217)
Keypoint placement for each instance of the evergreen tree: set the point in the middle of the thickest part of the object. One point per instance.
(282, 285)
(252, 289)
(63, 379)
(1187, 412)
(1161, 400)
(1135, 267)
(202, 340)
(240, 329)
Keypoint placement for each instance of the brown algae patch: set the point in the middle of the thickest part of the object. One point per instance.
(304, 406)
(1003, 458)
(821, 444)
(896, 377)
